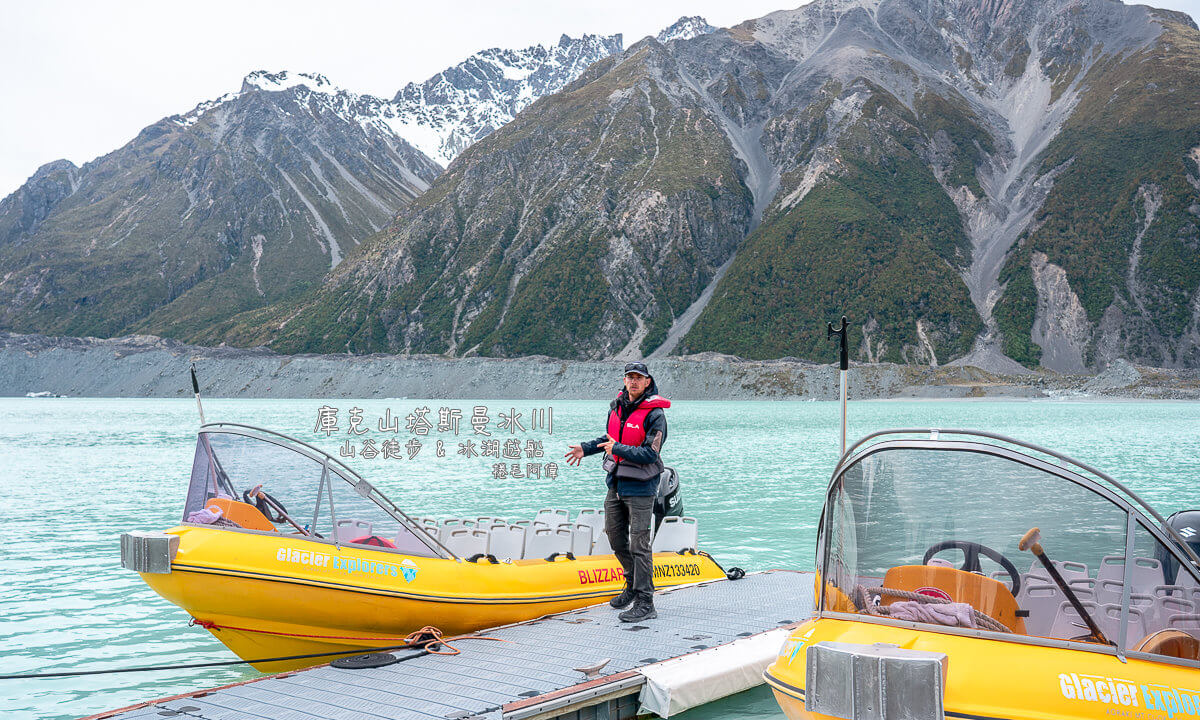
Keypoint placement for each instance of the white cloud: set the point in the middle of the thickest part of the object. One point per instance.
(79, 79)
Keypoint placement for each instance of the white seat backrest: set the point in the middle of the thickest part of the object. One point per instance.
(676, 533)
(552, 516)
(1110, 622)
(1068, 623)
(544, 542)
(465, 542)
(1109, 591)
(1112, 567)
(1071, 570)
(347, 530)
(507, 542)
(600, 543)
(451, 524)
(593, 519)
(1147, 572)
(1042, 601)
(1189, 623)
(1166, 607)
(1083, 589)
(581, 539)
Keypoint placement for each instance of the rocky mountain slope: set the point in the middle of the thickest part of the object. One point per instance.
(252, 197)
(241, 202)
(960, 178)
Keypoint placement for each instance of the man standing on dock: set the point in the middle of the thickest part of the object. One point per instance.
(637, 429)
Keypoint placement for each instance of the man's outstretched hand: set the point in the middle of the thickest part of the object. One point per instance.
(574, 454)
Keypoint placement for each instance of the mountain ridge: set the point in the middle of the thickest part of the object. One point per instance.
(883, 159)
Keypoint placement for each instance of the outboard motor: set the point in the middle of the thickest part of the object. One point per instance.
(669, 500)
(1187, 524)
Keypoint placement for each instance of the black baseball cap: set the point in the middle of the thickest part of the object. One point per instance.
(638, 367)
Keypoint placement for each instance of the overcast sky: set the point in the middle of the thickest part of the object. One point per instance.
(79, 79)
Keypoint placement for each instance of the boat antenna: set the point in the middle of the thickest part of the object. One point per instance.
(844, 363)
(196, 390)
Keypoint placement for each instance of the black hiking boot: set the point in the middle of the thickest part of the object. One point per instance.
(622, 601)
(641, 610)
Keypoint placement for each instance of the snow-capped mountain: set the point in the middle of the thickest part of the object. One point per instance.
(462, 104)
(975, 182)
(240, 202)
(685, 28)
(251, 197)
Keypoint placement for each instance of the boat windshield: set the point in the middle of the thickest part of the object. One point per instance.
(247, 479)
(931, 532)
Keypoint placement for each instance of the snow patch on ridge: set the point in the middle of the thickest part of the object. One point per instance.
(285, 79)
(685, 28)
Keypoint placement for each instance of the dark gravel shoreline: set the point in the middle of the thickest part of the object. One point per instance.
(148, 366)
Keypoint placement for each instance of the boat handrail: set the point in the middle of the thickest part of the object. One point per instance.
(360, 484)
(936, 434)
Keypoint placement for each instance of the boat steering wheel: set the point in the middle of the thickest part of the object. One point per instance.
(972, 551)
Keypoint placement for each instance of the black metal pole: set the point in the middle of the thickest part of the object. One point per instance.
(844, 364)
(196, 390)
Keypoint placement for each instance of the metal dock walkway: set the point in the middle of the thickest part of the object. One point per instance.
(531, 675)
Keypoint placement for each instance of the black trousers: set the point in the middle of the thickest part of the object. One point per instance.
(627, 523)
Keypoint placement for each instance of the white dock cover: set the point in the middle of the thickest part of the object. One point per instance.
(683, 683)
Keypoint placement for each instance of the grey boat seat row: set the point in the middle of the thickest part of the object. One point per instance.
(550, 531)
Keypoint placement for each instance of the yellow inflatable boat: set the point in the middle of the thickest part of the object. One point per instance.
(286, 551)
(968, 575)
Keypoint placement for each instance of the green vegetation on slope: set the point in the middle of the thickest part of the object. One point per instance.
(1122, 138)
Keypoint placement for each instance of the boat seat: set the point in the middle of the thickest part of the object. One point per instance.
(544, 542)
(1067, 569)
(593, 519)
(465, 542)
(242, 514)
(1084, 588)
(1188, 623)
(581, 539)
(600, 543)
(1109, 590)
(552, 516)
(347, 530)
(1171, 643)
(986, 595)
(676, 533)
(1041, 601)
(1068, 624)
(1164, 608)
(507, 542)
(1110, 621)
(1147, 572)
(451, 524)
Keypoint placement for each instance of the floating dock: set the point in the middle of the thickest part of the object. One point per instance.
(710, 640)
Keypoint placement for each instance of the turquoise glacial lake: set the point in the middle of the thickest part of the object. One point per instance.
(75, 473)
